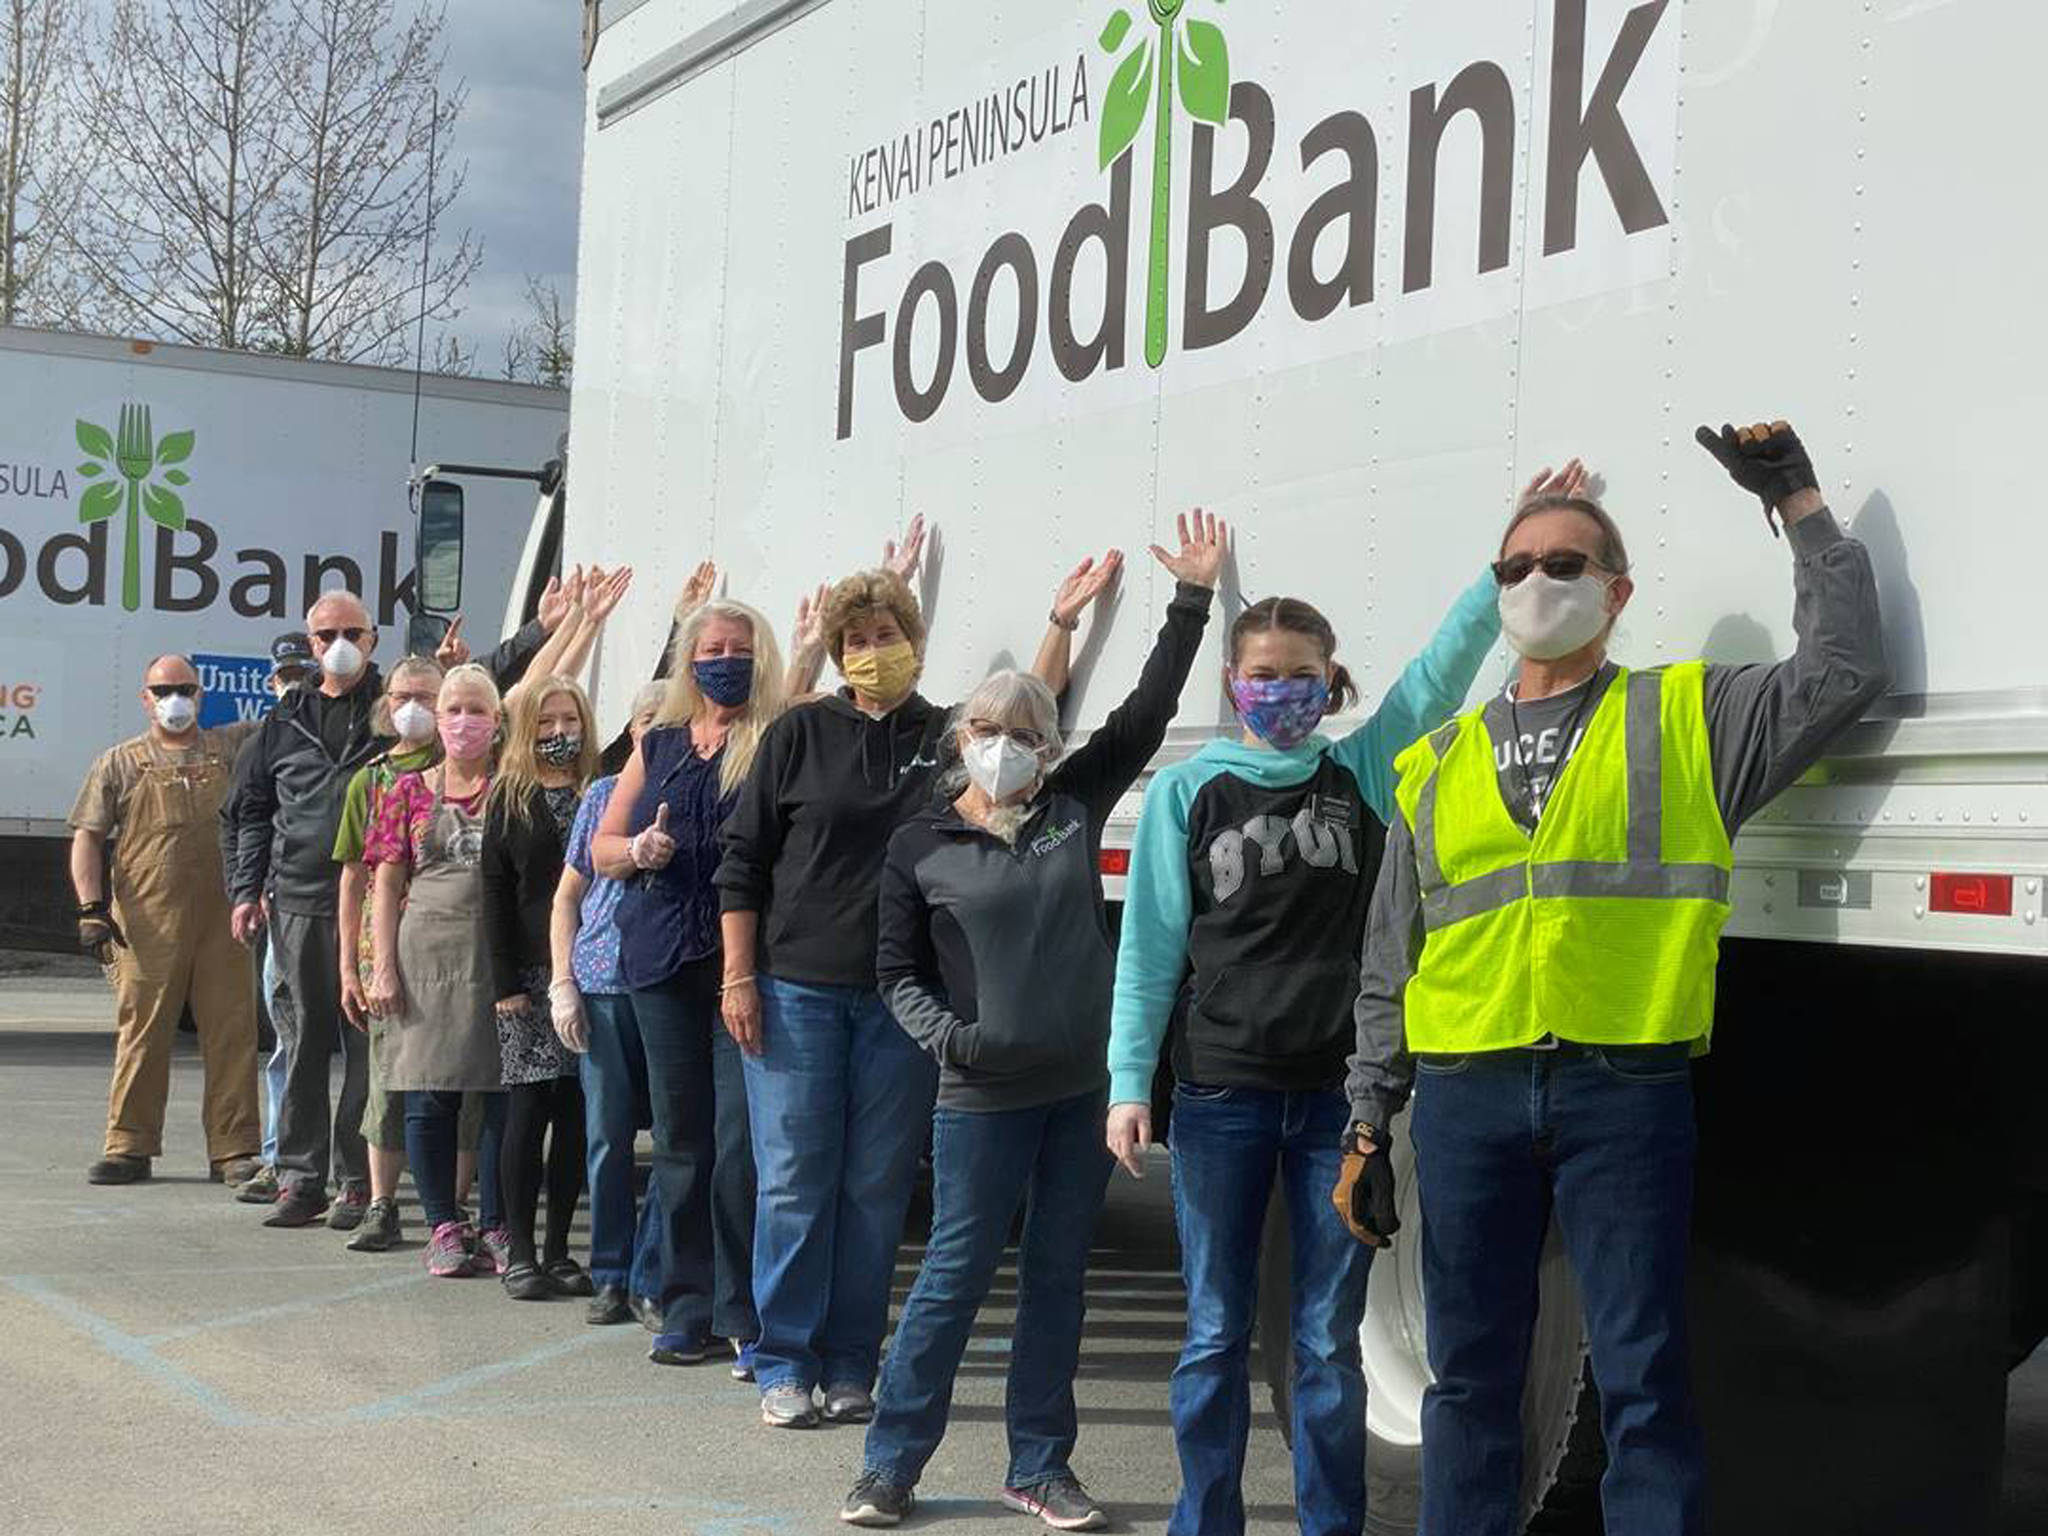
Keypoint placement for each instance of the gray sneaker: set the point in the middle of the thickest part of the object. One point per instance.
(348, 1210)
(848, 1404)
(788, 1406)
(1061, 1502)
(877, 1501)
(379, 1229)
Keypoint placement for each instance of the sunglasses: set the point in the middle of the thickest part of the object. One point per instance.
(1567, 565)
(988, 730)
(329, 636)
(173, 690)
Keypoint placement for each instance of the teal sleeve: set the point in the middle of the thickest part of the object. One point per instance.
(1427, 693)
(1153, 950)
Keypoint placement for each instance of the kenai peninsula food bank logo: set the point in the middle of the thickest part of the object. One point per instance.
(133, 471)
(1290, 239)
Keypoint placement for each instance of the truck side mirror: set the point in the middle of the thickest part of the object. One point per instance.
(438, 548)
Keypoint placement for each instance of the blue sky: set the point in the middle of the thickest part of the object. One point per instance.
(522, 137)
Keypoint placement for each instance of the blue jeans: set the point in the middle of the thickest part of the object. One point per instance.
(1053, 1159)
(1605, 1138)
(703, 1159)
(614, 1073)
(1228, 1146)
(841, 1102)
(273, 1066)
(431, 1139)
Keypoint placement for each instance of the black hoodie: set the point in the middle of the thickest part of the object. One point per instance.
(804, 844)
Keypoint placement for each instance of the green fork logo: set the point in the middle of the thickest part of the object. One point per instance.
(1194, 53)
(135, 456)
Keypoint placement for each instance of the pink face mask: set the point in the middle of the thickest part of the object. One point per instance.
(468, 736)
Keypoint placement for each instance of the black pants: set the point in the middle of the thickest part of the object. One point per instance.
(703, 1157)
(532, 1111)
(306, 1010)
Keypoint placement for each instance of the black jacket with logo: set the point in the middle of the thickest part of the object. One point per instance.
(996, 957)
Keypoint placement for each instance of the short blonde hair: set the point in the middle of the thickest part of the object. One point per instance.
(472, 675)
(870, 592)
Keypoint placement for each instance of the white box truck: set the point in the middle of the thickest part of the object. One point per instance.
(1052, 271)
(166, 498)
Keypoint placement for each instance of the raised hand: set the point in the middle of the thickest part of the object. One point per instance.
(604, 592)
(1083, 585)
(809, 631)
(453, 650)
(1767, 460)
(1569, 481)
(554, 605)
(1202, 550)
(905, 559)
(698, 589)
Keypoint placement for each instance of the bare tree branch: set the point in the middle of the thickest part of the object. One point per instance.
(38, 48)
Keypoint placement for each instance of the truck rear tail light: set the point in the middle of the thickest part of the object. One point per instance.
(1973, 895)
(1117, 861)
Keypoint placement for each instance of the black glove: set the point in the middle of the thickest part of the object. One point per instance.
(1767, 461)
(98, 933)
(1364, 1196)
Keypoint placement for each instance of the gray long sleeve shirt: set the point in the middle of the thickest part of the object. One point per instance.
(1766, 725)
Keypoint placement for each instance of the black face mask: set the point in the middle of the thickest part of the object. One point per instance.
(558, 751)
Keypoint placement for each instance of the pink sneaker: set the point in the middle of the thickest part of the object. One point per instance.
(490, 1251)
(447, 1253)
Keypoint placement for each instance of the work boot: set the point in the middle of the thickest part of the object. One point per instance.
(379, 1229)
(236, 1170)
(260, 1188)
(298, 1205)
(116, 1169)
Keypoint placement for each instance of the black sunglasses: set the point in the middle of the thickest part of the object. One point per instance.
(172, 690)
(329, 636)
(1568, 565)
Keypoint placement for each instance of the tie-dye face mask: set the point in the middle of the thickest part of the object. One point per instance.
(1283, 712)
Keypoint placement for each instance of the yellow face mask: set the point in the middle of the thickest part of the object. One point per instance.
(884, 674)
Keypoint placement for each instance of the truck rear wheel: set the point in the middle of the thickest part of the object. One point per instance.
(1562, 1456)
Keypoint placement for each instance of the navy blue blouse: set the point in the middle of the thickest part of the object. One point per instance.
(668, 918)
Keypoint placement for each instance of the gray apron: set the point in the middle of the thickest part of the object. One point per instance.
(446, 1035)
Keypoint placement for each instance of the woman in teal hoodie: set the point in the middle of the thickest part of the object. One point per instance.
(1253, 867)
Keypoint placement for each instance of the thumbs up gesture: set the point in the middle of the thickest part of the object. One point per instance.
(653, 847)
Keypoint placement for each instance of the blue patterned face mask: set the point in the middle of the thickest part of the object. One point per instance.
(1283, 712)
(727, 680)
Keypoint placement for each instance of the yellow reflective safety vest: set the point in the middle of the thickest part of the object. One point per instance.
(1604, 925)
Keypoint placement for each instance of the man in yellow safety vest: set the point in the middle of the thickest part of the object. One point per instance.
(1540, 961)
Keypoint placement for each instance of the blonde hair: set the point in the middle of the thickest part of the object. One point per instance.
(412, 666)
(871, 592)
(685, 700)
(518, 779)
(470, 675)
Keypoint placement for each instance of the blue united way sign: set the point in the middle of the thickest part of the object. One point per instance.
(232, 688)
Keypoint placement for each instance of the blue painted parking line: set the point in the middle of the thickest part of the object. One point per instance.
(136, 1352)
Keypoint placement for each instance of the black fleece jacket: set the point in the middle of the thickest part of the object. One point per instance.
(994, 956)
(804, 843)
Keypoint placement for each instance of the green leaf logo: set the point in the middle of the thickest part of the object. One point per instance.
(1144, 79)
(134, 453)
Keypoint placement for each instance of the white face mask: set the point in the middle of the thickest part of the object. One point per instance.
(175, 713)
(999, 767)
(343, 660)
(414, 722)
(1544, 618)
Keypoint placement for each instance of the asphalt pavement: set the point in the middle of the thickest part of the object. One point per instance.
(168, 1365)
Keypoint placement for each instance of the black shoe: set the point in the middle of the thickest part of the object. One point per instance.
(608, 1306)
(379, 1229)
(118, 1170)
(567, 1277)
(877, 1501)
(648, 1310)
(525, 1282)
(298, 1205)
